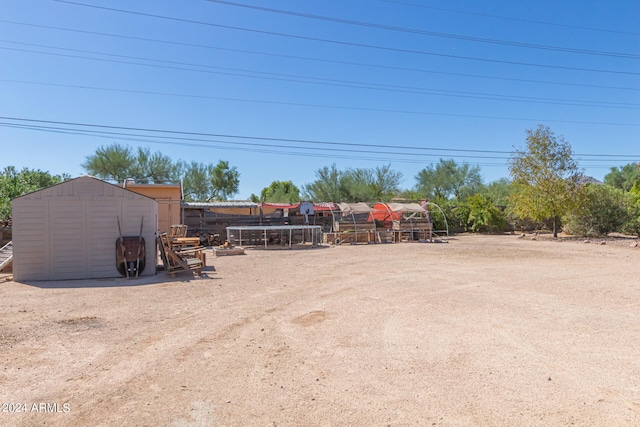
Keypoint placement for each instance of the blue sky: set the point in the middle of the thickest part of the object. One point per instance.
(280, 93)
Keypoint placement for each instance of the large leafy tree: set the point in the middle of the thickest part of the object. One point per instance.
(195, 183)
(202, 182)
(225, 180)
(498, 191)
(327, 187)
(115, 162)
(354, 185)
(624, 177)
(14, 183)
(545, 177)
(386, 183)
(206, 182)
(155, 167)
(448, 179)
(379, 184)
(118, 162)
(279, 192)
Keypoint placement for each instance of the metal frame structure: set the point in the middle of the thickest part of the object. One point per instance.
(315, 231)
(446, 223)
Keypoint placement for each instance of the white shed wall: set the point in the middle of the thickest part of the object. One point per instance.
(69, 231)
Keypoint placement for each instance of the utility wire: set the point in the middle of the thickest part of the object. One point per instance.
(395, 151)
(307, 58)
(324, 81)
(290, 151)
(332, 144)
(352, 44)
(508, 18)
(308, 105)
(429, 33)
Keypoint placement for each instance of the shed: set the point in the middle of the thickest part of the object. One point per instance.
(69, 230)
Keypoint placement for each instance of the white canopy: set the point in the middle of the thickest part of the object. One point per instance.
(406, 207)
(354, 208)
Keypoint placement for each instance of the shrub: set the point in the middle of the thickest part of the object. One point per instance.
(483, 215)
(602, 209)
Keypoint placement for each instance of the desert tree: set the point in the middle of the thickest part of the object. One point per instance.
(499, 191)
(279, 192)
(195, 182)
(371, 184)
(115, 162)
(225, 180)
(386, 183)
(207, 182)
(603, 209)
(14, 183)
(327, 187)
(354, 185)
(118, 162)
(448, 179)
(545, 177)
(624, 177)
(155, 167)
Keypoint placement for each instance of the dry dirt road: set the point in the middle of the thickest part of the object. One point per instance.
(483, 330)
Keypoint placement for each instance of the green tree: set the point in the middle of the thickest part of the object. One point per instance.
(118, 162)
(154, 167)
(624, 177)
(354, 185)
(379, 184)
(484, 215)
(279, 192)
(206, 182)
(327, 187)
(225, 180)
(14, 184)
(195, 182)
(202, 182)
(545, 177)
(448, 179)
(115, 162)
(386, 183)
(498, 191)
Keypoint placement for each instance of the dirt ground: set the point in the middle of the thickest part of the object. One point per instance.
(482, 330)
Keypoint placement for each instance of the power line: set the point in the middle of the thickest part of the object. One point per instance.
(331, 61)
(325, 81)
(352, 44)
(289, 151)
(430, 33)
(508, 18)
(243, 145)
(308, 105)
(332, 144)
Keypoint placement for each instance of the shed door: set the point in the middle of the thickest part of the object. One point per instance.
(69, 254)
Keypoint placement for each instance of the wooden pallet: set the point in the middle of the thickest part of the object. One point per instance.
(191, 259)
(228, 251)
